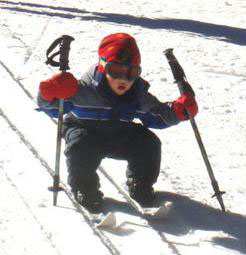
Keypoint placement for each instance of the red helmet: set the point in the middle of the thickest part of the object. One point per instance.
(120, 48)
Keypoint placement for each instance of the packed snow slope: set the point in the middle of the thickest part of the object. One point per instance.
(209, 40)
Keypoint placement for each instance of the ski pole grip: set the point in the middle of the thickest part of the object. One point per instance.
(64, 52)
(64, 48)
(178, 73)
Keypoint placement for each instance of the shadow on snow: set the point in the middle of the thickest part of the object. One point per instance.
(188, 215)
(220, 32)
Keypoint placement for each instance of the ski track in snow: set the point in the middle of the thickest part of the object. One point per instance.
(32, 214)
(215, 57)
(35, 153)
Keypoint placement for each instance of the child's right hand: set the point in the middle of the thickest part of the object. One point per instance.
(60, 86)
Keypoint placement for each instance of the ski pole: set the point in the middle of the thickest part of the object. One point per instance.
(184, 86)
(64, 47)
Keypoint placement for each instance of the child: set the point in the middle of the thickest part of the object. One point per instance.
(99, 123)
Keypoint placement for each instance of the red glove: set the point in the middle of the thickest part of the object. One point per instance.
(185, 103)
(60, 86)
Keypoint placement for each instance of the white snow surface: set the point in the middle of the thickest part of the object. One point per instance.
(209, 39)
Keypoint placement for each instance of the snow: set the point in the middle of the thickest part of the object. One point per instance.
(208, 38)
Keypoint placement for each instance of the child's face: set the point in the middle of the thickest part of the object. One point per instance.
(119, 86)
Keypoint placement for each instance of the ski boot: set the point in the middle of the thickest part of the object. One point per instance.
(141, 192)
(92, 200)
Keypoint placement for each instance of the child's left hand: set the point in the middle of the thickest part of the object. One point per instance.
(185, 103)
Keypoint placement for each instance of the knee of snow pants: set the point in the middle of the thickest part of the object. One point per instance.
(82, 159)
(145, 156)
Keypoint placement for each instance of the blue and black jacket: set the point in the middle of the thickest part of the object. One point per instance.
(96, 105)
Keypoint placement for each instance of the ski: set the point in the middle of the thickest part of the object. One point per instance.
(150, 213)
(159, 212)
(99, 220)
(107, 221)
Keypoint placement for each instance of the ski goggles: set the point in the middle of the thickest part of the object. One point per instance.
(121, 71)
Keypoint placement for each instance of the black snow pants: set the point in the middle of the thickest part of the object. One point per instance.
(85, 149)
